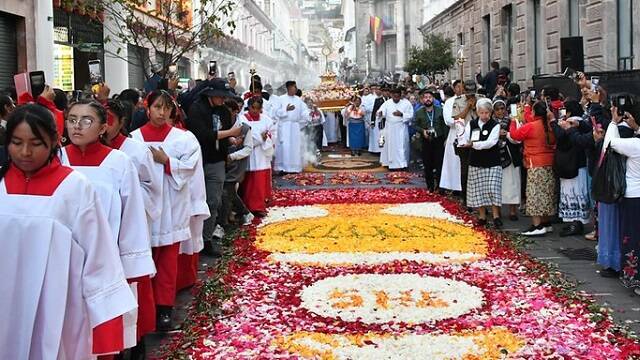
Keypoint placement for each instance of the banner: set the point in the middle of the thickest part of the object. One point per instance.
(375, 28)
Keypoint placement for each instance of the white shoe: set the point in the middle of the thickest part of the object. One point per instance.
(535, 231)
(247, 219)
(218, 232)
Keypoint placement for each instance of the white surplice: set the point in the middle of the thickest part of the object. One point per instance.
(450, 175)
(394, 152)
(62, 274)
(367, 103)
(331, 128)
(149, 180)
(199, 208)
(118, 187)
(263, 150)
(289, 147)
(173, 226)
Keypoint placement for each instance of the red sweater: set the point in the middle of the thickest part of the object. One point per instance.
(537, 153)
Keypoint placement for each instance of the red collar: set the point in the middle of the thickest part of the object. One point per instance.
(93, 155)
(154, 133)
(251, 117)
(43, 183)
(117, 141)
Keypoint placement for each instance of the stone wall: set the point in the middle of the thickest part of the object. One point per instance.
(597, 23)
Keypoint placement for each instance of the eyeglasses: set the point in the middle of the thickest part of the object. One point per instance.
(82, 123)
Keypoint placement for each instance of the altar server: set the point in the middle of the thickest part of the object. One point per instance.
(150, 181)
(397, 113)
(292, 115)
(256, 187)
(115, 178)
(62, 272)
(176, 157)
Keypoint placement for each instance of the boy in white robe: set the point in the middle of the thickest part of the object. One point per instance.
(397, 113)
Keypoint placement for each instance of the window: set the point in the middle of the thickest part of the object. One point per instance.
(625, 35)
(574, 17)
(537, 37)
(486, 21)
(460, 39)
(507, 35)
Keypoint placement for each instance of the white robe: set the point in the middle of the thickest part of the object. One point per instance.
(374, 133)
(367, 103)
(395, 150)
(450, 176)
(183, 151)
(263, 150)
(149, 180)
(199, 208)
(118, 187)
(289, 148)
(62, 275)
(331, 128)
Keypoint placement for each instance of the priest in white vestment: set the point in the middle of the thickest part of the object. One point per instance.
(292, 115)
(331, 127)
(397, 113)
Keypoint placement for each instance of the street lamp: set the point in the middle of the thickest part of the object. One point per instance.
(461, 60)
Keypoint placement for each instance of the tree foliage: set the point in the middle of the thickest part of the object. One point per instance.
(172, 28)
(436, 56)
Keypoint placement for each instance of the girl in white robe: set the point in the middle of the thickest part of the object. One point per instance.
(150, 181)
(62, 274)
(176, 157)
(256, 187)
(115, 178)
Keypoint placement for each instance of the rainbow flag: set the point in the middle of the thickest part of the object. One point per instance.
(375, 28)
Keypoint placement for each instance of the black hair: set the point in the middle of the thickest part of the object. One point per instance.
(456, 82)
(130, 95)
(96, 106)
(42, 124)
(5, 100)
(540, 110)
(232, 105)
(166, 97)
(60, 100)
(513, 89)
(254, 100)
(448, 91)
(573, 106)
(299, 93)
(552, 92)
(495, 65)
(122, 110)
(256, 87)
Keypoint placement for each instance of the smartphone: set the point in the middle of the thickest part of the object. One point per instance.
(513, 110)
(95, 72)
(532, 93)
(213, 68)
(562, 113)
(37, 83)
(172, 72)
(595, 81)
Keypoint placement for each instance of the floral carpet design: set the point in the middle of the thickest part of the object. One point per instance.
(389, 274)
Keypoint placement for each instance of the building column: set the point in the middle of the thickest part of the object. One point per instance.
(374, 46)
(44, 37)
(400, 36)
(116, 64)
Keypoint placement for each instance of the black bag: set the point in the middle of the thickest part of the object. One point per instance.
(505, 157)
(609, 182)
(565, 162)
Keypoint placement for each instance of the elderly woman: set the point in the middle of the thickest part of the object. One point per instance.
(485, 173)
(510, 160)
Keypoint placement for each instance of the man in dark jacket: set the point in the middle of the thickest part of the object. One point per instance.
(210, 121)
(490, 80)
(433, 131)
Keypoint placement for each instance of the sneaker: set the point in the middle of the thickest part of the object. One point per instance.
(218, 232)
(497, 223)
(482, 222)
(547, 227)
(575, 228)
(592, 236)
(609, 273)
(247, 219)
(539, 230)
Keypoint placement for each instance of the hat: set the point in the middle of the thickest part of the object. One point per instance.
(217, 87)
(431, 91)
(470, 87)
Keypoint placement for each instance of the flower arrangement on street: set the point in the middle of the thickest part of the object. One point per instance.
(387, 274)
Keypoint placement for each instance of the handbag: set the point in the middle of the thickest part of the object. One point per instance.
(609, 180)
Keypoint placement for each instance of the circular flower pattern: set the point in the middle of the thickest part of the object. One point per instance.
(382, 298)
